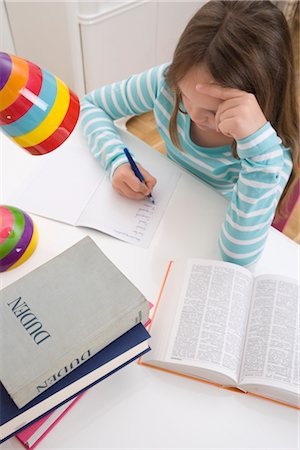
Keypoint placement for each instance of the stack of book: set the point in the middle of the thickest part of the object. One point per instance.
(64, 327)
(32, 435)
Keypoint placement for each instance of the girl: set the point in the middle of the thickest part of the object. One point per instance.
(226, 110)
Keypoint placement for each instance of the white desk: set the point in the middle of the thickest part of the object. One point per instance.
(141, 408)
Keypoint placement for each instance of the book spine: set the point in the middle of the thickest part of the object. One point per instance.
(73, 360)
(32, 435)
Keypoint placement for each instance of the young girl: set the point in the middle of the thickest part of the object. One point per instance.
(226, 110)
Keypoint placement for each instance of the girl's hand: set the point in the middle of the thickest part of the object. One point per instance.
(239, 115)
(128, 185)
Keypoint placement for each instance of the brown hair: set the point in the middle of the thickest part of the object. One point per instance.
(244, 45)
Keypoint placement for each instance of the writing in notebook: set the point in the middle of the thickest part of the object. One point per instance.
(71, 186)
(140, 226)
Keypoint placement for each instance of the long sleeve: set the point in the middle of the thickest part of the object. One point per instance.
(253, 184)
(100, 108)
(265, 169)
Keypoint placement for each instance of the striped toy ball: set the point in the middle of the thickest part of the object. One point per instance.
(37, 110)
(18, 237)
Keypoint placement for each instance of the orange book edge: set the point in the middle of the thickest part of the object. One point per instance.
(191, 377)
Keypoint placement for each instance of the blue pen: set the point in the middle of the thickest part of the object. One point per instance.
(136, 171)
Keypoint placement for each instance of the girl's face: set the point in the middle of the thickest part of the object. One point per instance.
(201, 108)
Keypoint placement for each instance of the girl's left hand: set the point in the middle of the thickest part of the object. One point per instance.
(239, 115)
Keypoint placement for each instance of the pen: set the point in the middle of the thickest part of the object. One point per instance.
(136, 170)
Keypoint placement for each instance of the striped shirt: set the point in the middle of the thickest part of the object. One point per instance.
(253, 184)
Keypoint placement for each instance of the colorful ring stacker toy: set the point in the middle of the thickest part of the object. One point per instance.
(18, 237)
(37, 109)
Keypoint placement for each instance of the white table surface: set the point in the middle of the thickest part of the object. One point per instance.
(142, 408)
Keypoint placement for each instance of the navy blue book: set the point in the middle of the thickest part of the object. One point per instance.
(113, 357)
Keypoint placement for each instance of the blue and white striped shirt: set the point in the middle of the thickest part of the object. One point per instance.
(253, 183)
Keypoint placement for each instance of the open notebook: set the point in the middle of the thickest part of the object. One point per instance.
(70, 186)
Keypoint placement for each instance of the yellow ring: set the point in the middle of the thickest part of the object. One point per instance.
(51, 121)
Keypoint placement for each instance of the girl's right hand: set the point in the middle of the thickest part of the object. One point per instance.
(128, 185)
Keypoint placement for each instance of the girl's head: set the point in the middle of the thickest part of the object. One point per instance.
(201, 108)
(244, 45)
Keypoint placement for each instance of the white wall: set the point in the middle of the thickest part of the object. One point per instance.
(88, 44)
(6, 40)
(172, 18)
(118, 43)
(47, 33)
(131, 37)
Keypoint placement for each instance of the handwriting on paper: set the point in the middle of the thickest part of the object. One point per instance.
(140, 224)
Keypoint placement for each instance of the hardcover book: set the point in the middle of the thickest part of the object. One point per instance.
(217, 322)
(32, 435)
(113, 357)
(60, 315)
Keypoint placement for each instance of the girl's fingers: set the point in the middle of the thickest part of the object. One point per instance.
(235, 111)
(217, 91)
(126, 191)
(127, 184)
(227, 105)
(245, 114)
(229, 113)
(227, 126)
(150, 181)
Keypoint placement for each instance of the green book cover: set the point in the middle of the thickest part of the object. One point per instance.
(59, 315)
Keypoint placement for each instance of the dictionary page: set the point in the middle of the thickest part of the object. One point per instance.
(207, 332)
(272, 349)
